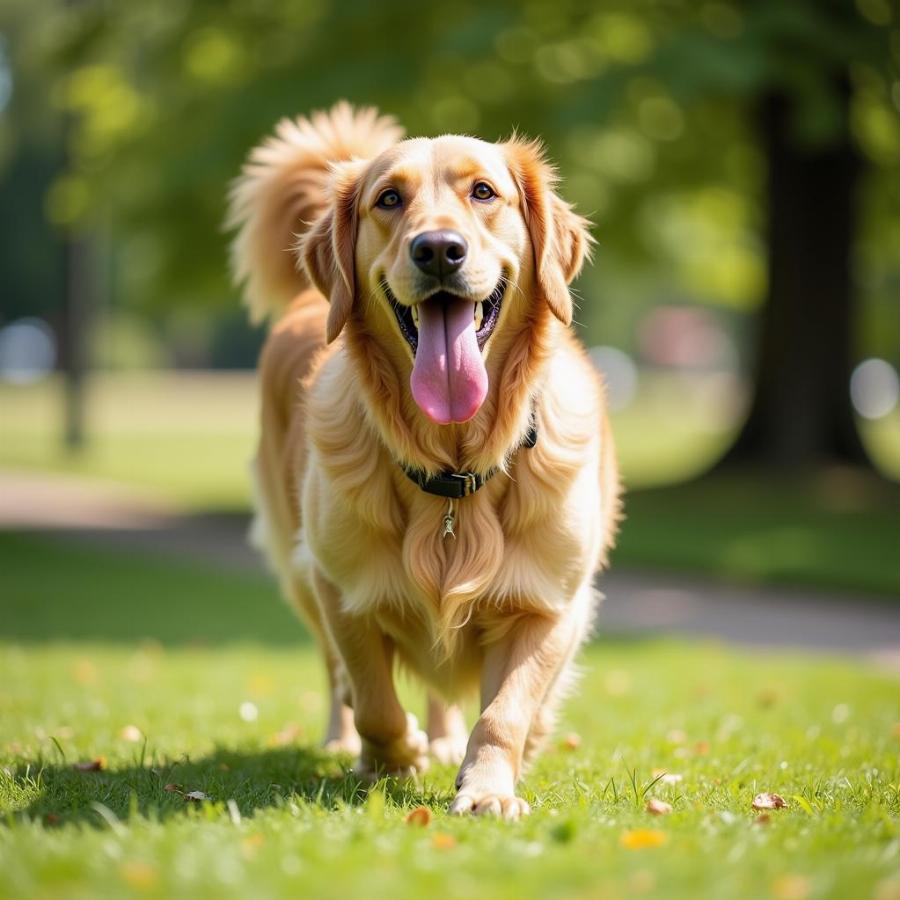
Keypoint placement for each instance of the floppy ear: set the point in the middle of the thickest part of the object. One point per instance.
(328, 249)
(560, 238)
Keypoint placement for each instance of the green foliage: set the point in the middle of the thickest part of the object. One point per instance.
(648, 108)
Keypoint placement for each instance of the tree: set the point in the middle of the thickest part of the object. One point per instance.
(683, 128)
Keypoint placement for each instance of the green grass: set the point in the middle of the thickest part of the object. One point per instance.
(835, 530)
(92, 642)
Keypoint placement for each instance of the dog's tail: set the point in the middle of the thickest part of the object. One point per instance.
(283, 189)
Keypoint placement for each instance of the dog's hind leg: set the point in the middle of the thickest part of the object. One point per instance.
(341, 734)
(446, 727)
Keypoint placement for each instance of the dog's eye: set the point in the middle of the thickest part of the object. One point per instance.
(483, 191)
(388, 199)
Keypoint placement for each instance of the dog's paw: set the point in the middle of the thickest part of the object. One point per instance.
(449, 749)
(502, 806)
(403, 757)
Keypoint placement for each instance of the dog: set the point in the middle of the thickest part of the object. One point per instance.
(437, 483)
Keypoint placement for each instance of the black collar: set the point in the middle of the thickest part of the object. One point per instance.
(457, 485)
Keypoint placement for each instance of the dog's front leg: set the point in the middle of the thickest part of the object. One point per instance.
(392, 743)
(519, 671)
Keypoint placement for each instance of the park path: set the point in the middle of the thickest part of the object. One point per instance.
(636, 603)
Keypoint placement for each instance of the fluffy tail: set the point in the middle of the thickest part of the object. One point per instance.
(283, 189)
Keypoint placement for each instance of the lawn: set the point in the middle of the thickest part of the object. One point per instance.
(175, 674)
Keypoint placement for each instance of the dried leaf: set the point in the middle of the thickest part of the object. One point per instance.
(769, 801)
(420, 816)
(442, 841)
(888, 888)
(571, 741)
(250, 845)
(658, 807)
(92, 765)
(666, 777)
(642, 838)
(139, 875)
(196, 795)
(791, 887)
(288, 735)
(173, 788)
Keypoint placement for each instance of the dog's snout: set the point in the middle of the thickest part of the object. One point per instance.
(438, 253)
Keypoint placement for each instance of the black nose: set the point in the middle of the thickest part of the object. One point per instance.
(438, 253)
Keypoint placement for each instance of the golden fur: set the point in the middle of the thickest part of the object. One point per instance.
(502, 607)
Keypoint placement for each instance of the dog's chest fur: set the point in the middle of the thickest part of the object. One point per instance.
(526, 542)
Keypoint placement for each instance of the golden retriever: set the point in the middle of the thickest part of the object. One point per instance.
(436, 476)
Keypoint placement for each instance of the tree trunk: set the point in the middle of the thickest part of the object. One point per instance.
(800, 414)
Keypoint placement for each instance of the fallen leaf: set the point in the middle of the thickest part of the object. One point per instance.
(767, 697)
(641, 838)
(571, 741)
(85, 671)
(92, 765)
(131, 733)
(250, 845)
(642, 882)
(139, 875)
(769, 801)
(791, 887)
(658, 807)
(288, 735)
(666, 777)
(420, 816)
(443, 841)
(196, 795)
(888, 888)
(173, 788)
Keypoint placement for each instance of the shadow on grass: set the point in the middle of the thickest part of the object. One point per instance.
(158, 790)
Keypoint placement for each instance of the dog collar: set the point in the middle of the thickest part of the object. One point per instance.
(456, 485)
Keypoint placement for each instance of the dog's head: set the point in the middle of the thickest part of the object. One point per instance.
(439, 245)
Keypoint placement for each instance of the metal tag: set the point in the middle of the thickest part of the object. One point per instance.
(449, 521)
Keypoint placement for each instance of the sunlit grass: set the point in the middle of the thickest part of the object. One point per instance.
(179, 675)
(189, 437)
(834, 530)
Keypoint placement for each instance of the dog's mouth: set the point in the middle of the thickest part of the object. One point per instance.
(448, 335)
(485, 313)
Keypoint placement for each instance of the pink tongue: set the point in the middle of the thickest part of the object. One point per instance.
(449, 381)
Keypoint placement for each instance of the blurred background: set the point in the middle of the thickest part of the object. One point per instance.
(740, 161)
